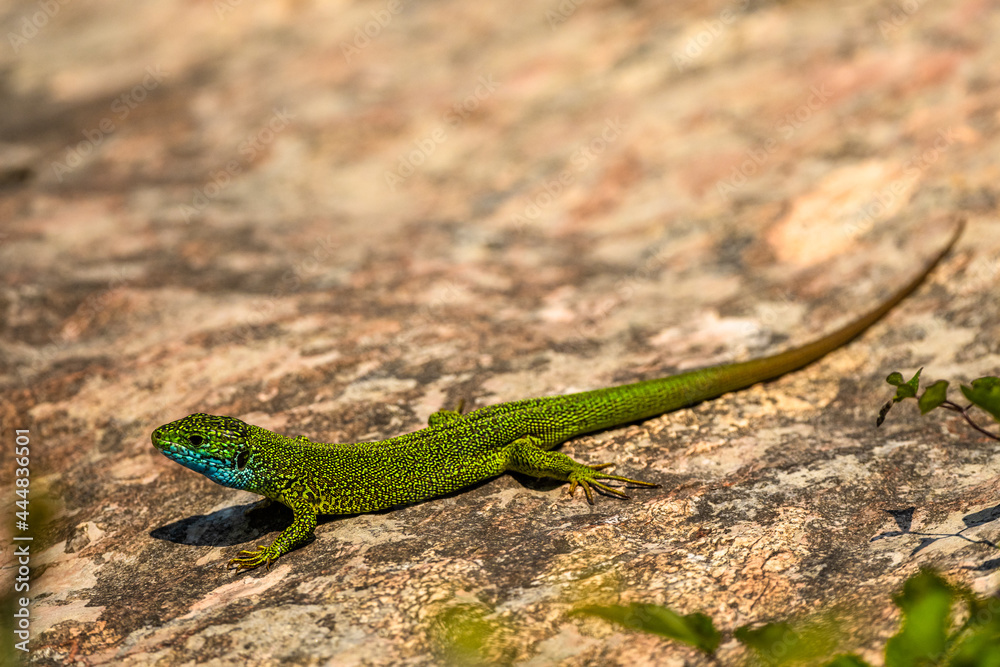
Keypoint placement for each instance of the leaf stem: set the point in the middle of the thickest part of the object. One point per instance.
(954, 407)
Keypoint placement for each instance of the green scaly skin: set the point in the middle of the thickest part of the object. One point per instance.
(457, 450)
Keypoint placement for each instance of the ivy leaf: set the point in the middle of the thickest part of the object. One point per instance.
(764, 638)
(784, 644)
(985, 392)
(882, 413)
(895, 378)
(925, 602)
(979, 649)
(465, 635)
(694, 629)
(979, 645)
(906, 389)
(768, 641)
(933, 396)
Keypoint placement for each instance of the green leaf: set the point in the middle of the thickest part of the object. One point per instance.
(849, 660)
(883, 412)
(765, 638)
(933, 396)
(464, 634)
(979, 649)
(694, 629)
(980, 646)
(983, 611)
(925, 601)
(906, 389)
(784, 644)
(985, 392)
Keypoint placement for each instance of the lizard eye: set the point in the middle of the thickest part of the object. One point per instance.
(241, 459)
(196, 440)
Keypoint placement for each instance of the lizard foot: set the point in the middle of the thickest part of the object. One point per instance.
(248, 560)
(588, 478)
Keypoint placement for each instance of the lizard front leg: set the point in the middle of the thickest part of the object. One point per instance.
(528, 457)
(301, 530)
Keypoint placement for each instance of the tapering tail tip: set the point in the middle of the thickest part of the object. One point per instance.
(959, 228)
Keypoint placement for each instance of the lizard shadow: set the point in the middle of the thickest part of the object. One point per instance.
(904, 519)
(229, 526)
(235, 525)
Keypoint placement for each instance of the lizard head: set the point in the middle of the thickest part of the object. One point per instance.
(217, 447)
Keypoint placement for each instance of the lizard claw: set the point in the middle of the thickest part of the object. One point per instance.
(589, 478)
(248, 560)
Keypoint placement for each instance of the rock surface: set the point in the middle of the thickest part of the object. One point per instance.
(333, 219)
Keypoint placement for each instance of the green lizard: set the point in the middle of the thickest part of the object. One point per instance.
(457, 450)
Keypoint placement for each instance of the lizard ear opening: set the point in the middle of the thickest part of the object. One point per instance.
(241, 459)
(196, 440)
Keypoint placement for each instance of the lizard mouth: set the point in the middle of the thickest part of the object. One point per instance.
(160, 440)
(170, 448)
(216, 470)
(163, 441)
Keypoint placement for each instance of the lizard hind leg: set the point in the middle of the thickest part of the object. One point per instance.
(527, 456)
(444, 416)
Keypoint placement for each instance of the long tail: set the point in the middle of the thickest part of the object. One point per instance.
(645, 399)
